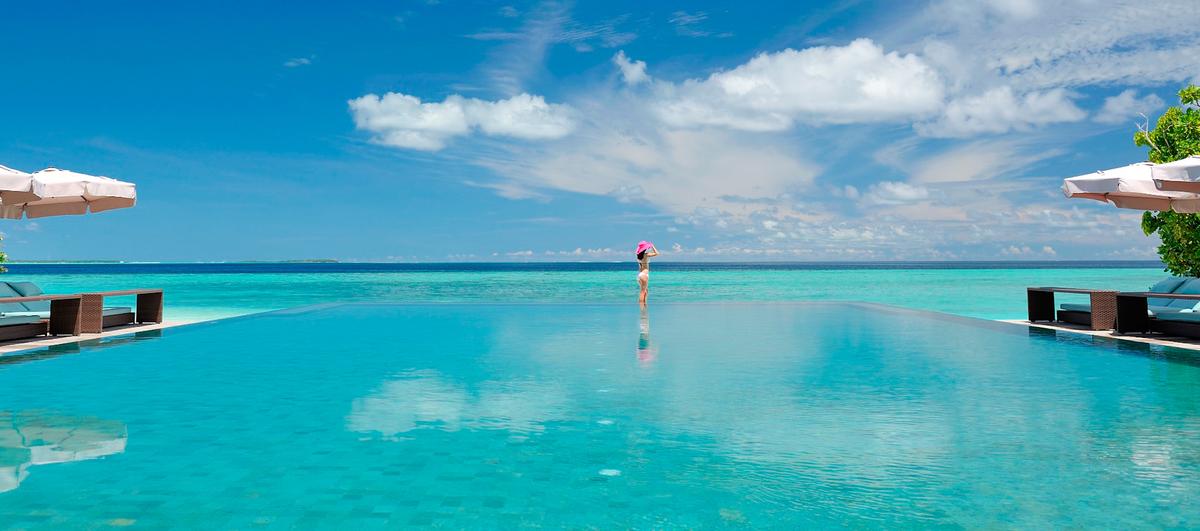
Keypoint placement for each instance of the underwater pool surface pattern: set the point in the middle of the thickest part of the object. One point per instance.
(601, 415)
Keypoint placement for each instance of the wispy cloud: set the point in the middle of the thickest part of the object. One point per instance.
(512, 65)
(1038, 45)
(298, 61)
(689, 24)
(1127, 107)
(1000, 110)
(974, 161)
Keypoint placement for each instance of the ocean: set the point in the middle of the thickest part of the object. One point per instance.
(199, 291)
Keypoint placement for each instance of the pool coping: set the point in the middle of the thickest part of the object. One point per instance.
(1165, 341)
(23, 345)
(50, 347)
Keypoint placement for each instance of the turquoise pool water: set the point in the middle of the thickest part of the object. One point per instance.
(594, 415)
(196, 292)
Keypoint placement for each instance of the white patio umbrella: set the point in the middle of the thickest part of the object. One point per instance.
(1132, 187)
(15, 186)
(62, 193)
(1182, 175)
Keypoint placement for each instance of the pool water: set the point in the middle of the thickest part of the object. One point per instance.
(690, 415)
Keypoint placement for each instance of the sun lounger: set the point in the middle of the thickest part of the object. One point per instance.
(27, 304)
(15, 327)
(113, 315)
(1133, 316)
(64, 317)
(1100, 313)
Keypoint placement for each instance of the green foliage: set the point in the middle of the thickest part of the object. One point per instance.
(1175, 136)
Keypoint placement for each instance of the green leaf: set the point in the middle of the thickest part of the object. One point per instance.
(1176, 135)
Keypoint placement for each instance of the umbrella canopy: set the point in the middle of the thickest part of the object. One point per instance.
(62, 193)
(1132, 187)
(15, 186)
(1182, 175)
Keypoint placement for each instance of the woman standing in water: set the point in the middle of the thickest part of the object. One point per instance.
(645, 250)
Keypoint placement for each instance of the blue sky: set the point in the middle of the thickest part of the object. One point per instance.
(457, 130)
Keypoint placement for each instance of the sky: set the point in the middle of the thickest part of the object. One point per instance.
(456, 130)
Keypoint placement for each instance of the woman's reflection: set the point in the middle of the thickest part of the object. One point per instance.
(645, 350)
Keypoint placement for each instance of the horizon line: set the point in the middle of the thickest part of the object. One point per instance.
(441, 262)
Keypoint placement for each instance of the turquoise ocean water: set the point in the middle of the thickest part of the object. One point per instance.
(205, 291)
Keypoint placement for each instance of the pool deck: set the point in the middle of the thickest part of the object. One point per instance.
(43, 342)
(1166, 341)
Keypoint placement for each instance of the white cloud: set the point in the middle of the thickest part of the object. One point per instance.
(509, 12)
(999, 110)
(400, 120)
(895, 193)
(632, 72)
(1013, 71)
(1126, 107)
(675, 171)
(1025, 250)
(579, 252)
(856, 83)
(297, 61)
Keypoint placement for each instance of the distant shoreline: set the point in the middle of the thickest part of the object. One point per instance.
(29, 267)
(331, 261)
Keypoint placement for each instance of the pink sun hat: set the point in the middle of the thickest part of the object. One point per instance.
(642, 246)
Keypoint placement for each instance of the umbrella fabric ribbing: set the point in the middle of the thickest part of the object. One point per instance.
(15, 186)
(1182, 175)
(64, 193)
(1131, 187)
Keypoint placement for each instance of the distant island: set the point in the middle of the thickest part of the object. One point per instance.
(300, 261)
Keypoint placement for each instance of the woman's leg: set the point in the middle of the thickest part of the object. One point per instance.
(644, 287)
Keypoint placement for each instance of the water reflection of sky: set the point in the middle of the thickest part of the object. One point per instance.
(429, 400)
(840, 401)
(35, 438)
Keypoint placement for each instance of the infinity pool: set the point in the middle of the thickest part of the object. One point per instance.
(693, 415)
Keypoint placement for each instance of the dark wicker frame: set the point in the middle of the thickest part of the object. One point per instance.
(66, 318)
(1133, 317)
(149, 309)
